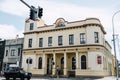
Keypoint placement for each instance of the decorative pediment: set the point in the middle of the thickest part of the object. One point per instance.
(60, 22)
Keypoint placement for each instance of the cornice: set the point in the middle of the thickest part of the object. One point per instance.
(63, 47)
(67, 28)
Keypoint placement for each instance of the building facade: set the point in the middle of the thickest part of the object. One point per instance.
(74, 48)
(13, 52)
(2, 48)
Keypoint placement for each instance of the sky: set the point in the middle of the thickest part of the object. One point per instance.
(13, 14)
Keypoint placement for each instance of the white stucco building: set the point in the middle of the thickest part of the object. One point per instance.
(13, 52)
(75, 48)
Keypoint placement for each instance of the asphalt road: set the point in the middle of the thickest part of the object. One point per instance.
(48, 78)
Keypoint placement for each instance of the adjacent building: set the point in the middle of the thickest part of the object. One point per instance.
(74, 48)
(13, 52)
(2, 48)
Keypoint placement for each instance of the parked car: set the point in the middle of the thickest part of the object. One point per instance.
(17, 72)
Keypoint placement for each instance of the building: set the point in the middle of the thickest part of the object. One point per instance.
(13, 52)
(2, 48)
(75, 48)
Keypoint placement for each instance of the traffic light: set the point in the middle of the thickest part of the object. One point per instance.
(40, 11)
(33, 13)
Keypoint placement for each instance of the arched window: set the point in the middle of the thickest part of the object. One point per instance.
(83, 62)
(74, 63)
(29, 60)
(40, 63)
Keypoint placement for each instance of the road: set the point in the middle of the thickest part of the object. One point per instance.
(48, 78)
(39, 78)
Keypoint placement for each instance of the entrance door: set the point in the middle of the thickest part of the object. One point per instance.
(49, 66)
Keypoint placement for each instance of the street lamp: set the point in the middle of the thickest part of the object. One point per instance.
(116, 64)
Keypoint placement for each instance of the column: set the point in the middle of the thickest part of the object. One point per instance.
(44, 63)
(77, 63)
(54, 65)
(65, 63)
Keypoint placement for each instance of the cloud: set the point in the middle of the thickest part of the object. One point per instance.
(53, 10)
(9, 32)
(13, 7)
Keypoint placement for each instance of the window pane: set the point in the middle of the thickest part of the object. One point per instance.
(40, 63)
(83, 62)
(96, 37)
(6, 52)
(41, 42)
(59, 40)
(19, 51)
(31, 26)
(30, 43)
(82, 38)
(12, 52)
(71, 39)
(49, 41)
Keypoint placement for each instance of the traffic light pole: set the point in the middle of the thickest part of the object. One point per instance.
(34, 12)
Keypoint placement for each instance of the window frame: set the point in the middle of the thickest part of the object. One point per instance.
(96, 37)
(82, 38)
(60, 40)
(40, 42)
(40, 63)
(13, 52)
(30, 43)
(6, 53)
(83, 62)
(50, 41)
(31, 26)
(71, 39)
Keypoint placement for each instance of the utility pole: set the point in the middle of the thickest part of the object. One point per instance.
(114, 44)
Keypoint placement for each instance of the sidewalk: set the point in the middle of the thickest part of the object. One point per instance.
(108, 78)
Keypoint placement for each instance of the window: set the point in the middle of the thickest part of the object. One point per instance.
(19, 51)
(99, 59)
(40, 42)
(31, 26)
(40, 63)
(59, 40)
(30, 43)
(96, 37)
(49, 41)
(82, 38)
(6, 52)
(83, 62)
(12, 52)
(29, 61)
(74, 63)
(71, 39)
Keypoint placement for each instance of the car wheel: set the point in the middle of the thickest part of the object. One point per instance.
(28, 78)
(22, 78)
(14, 78)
